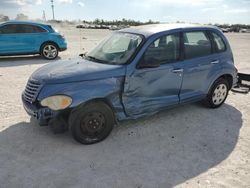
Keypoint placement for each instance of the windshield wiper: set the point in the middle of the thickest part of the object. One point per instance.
(96, 60)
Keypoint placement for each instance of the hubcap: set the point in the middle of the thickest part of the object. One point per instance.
(50, 51)
(219, 94)
(93, 123)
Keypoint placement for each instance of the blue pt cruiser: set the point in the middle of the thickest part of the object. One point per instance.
(134, 72)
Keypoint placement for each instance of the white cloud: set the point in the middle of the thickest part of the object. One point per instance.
(150, 3)
(81, 4)
(226, 9)
(22, 2)
(39, 2)
(237, 11)
(208, 9)
(225, 6)
(234, 10)
(65, 1)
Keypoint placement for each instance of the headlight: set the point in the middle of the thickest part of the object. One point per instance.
(57, 102)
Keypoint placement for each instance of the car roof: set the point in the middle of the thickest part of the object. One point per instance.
(23, 22)
(148, 30)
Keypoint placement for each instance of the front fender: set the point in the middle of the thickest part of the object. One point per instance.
(81, 92)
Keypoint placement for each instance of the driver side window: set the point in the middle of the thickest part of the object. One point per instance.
(163, 50)
(8, 29)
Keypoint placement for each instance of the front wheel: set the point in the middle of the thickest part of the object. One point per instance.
(49, 51)
(218, 93)
(91, 123)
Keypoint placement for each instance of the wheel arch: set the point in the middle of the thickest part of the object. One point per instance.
(229, 79)
(225, 76)
(103, 100)
(47, 42)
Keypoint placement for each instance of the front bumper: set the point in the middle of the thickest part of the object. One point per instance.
(42, 115)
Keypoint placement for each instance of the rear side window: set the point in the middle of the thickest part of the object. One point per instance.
(196, 44)
(51, 28)
(20, 28)
(24, 28)
(219, 43)
(39, 29)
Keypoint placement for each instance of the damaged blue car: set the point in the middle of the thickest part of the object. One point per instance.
(133, 73)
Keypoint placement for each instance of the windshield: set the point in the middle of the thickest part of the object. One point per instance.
(116, 49)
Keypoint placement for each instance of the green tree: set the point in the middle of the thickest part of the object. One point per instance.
(4, 18)
(21, 16)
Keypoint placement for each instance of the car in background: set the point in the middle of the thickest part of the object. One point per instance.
(26, 38)
(134, 72)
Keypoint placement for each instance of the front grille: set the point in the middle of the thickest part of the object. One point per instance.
(31, 90)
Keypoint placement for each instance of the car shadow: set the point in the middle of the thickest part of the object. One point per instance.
(164, 150)
(11, 61)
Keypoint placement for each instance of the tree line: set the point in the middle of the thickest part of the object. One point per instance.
(124, 21)
(4, 18)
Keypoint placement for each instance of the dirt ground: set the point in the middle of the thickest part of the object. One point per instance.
(188, 146)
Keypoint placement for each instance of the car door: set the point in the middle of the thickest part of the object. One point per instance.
(9, 42)
(156, 82)
(31, 37)
(199, 65)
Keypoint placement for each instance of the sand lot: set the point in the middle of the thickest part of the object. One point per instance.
(188, 146)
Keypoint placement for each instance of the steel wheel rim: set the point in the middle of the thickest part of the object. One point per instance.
(93, 124)
(50, 51)
(219, 94)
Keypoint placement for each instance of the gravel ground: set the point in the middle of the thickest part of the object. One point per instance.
(188, 146)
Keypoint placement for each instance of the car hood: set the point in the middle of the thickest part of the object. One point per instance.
(75, 70)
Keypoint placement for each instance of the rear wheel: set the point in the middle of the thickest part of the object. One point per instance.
(218, 93)
(91, 123)
(49, 51)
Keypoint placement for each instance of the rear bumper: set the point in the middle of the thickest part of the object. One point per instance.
(62, 45)
(42, 115)
(243, 77)
(243, 84)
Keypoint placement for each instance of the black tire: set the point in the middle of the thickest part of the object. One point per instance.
(46, 53)
(91, 123)
(218, 93)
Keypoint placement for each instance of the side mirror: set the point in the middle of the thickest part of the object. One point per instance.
(149, 63)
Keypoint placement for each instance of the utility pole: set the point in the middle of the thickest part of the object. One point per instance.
(44, 16)
(52, 6)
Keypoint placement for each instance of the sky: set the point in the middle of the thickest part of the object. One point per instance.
(191, 11)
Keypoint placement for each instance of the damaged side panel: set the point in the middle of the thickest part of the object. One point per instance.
(147, 91)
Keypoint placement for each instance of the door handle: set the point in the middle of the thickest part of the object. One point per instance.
(215, 62)
(177, 71)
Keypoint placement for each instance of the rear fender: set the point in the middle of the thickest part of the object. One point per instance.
(221, 74)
